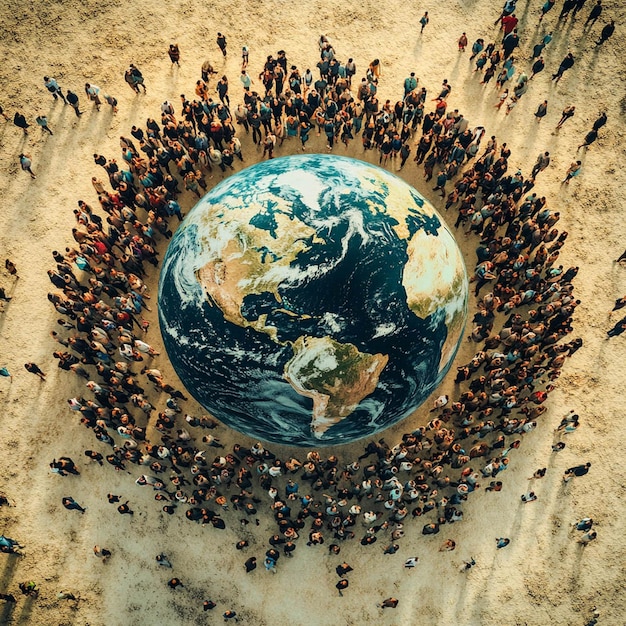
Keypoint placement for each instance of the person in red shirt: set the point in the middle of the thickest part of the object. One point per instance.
(509, 23)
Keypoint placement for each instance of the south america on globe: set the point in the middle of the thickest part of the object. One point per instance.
(312, 300)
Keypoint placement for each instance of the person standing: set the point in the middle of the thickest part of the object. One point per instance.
(25, 164)
(542, 111)
(20, 121)
(221, 42)
(174, 54)
(72, 98)
(424, 21)
(537, 67)
(462, 42)
(53, 87)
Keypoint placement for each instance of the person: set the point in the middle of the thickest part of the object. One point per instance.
(540, 473)
(162, 560)
(543, 160)
(71, 505)
(111, 101)
(447, 546)
(93, 92)
(26, 163)
(341, 585)
(245, 55)
(567, 113)
(102, 553)
(173, 583)
(531, 496)
(208, 605)
(53, 87)
(174, 53)
(547, 6)
(577, 470)
(590, 137)
(411, 562)
(588, 537)
(250, 564)
(618, 329)
(389, 603)
(542, 111)
(467, 565)
(42, 121)
(502, 542)
(228, 615)
(20, 121)
(566, 64)
(584, 524)
(606, 33)
(462, 42)
(73, 100)
(572, 171)
(5, 372)
(29, 588)
(424, 21)
(124, 509)
(595, 13)
(9, 266)
(343, 569)
(538, 66)
(33, 368)
(221, 42)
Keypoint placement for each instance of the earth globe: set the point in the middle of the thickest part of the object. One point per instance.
(312, 300)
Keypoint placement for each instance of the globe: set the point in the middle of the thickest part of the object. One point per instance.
(312, 300)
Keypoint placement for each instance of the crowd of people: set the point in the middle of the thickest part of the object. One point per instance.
(522, 326)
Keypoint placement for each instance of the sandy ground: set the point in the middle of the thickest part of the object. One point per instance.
(543, 576)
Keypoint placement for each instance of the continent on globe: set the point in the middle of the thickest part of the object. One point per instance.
(312, 300)
(335, 376)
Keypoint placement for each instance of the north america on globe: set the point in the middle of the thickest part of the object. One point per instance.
(312, 300)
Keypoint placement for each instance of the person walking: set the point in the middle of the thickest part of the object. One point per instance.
(606, 33)
(577, 470)
(462, 42)
(543, 160)
(595, 13)
(572, 171)
(26, 163)
(42, 121)
(566, 64)
(567, 113)
(53, 87)
(93, 94)
(590, 137)
(72, 99)
(424, 21)
(618, 329)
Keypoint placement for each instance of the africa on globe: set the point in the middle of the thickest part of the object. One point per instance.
(312, 300)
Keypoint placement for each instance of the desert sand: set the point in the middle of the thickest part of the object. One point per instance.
(544, 576)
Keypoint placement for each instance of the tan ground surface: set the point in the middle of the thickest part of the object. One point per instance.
(543, 577)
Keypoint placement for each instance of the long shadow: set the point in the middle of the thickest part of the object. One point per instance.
(6, 578)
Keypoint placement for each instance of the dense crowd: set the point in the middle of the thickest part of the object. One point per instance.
(522, 326)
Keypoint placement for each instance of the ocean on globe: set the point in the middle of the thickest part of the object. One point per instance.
(312, 300)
